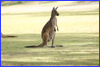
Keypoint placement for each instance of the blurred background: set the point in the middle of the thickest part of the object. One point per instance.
(28, 17)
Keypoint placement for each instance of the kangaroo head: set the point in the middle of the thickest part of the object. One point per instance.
(54, 11)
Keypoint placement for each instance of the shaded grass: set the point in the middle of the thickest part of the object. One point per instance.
(42, 3)
(66, 63)
(9, 3)
(79, 50)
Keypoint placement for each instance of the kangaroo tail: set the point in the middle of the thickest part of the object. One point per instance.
(32, 46)
(8, 36)
(39, 46)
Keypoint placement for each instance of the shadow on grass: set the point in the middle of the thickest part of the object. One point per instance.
(86, 62)
(78, 50)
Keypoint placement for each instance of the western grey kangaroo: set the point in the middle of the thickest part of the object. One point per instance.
(49, 30)
(6, 36)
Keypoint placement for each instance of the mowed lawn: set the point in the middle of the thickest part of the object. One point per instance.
(78, 50)
(78, 33)
(68, 22)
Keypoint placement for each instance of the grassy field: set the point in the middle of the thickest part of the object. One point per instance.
(78, 33)
(78, 50)
(68, 22)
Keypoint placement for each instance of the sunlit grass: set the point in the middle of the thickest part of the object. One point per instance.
(56, 3)
(68, 22)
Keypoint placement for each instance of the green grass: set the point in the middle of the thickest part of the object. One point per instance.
(78, 33)
(66, 13)
(9, 3)
(79, 50)
(68, 22)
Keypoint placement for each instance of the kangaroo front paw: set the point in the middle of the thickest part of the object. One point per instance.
(54, 30)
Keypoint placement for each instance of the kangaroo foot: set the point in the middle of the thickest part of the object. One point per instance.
(58, 45)
(49, 46)
(52, 46)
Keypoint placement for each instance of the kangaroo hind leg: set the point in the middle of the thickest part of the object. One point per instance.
(45, 39)
(53, 42)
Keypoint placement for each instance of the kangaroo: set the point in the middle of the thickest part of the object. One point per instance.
(49, 30)
(5, 36)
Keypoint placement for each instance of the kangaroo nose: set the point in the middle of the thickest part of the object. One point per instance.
(57, 14)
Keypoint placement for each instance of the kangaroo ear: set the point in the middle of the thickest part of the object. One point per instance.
(53, 8)
(56, 8)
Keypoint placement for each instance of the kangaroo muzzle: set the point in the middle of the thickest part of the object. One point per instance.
(57, 14)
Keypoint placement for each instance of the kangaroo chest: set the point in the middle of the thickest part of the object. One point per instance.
(52, 32)
(54, 21)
